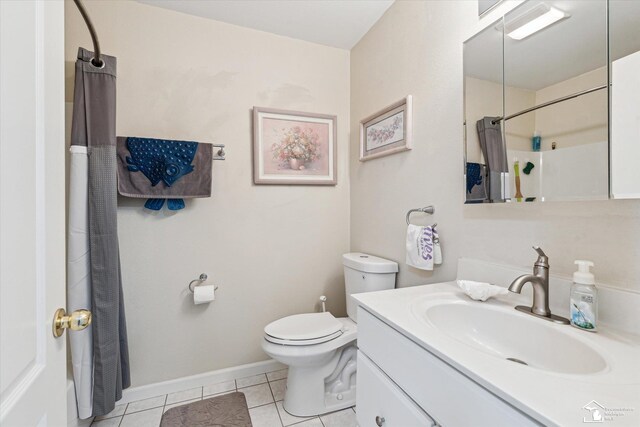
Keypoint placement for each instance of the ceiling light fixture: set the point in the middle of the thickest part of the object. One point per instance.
(532, 21)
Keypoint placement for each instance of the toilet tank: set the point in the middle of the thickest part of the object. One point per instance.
(366, 273)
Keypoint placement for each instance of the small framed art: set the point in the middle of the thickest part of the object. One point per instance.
(386, 132)
(293, 147)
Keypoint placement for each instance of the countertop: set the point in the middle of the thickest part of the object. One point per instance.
(552, 398)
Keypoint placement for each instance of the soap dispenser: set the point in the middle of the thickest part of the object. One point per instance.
(584, 298)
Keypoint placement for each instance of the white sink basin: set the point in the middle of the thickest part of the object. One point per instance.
(508, 334)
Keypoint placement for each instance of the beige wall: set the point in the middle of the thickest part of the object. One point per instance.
(481, 98)
(416, 48)
(484, 98)
(272, 249)
(578, 121)
(518, 131)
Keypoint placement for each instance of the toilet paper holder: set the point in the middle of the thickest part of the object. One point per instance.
(200, 280)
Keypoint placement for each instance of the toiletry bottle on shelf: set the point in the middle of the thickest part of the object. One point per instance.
(536, 141)
(584, 298)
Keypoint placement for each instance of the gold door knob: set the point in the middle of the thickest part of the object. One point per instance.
(76, 321)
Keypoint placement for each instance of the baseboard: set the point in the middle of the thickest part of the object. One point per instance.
(151, 390)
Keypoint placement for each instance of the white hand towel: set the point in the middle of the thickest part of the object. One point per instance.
(437, 250)
(420, 247)
(481, 291)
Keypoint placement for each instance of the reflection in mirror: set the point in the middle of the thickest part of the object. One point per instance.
(485, 6)
(624, 45)
(536, 103)
(556, 107)
(483, 103)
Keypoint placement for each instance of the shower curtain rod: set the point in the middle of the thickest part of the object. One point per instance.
(546, 104)
(96, 61)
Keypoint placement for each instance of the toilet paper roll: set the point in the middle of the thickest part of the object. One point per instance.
(203, 294)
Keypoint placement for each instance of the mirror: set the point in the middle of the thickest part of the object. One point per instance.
(565, 65)
(483, 89)
(548, 140)
(624, 51)
(485, 6)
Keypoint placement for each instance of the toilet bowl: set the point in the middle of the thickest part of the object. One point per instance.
(320, 349)
(317, 381)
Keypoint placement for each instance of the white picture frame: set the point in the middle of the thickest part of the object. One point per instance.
(276, 131)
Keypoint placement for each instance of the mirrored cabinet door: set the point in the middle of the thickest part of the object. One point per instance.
(554, 120)
(624, 51)
(483, 104)
(557, 151)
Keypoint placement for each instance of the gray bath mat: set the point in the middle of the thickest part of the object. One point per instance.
(228, 410)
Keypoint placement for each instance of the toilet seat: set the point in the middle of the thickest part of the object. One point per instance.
(304, 329)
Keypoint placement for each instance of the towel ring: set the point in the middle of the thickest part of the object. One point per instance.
(200, 280)
(428, 210)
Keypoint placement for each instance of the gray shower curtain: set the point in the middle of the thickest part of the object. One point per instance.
(495, 157)
(94, 127)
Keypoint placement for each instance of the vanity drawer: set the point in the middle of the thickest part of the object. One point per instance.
(447, 395)
(381, 402)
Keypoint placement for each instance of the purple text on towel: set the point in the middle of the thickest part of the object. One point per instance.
(425, 243)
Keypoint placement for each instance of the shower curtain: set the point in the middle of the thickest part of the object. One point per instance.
(495, 157)
(100, 355)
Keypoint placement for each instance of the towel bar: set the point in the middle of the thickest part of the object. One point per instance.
(428, 210)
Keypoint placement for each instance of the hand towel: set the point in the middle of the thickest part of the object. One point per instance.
(420, 247)
(481, 291)
(476, 189)
(437, 250)
(159, 169)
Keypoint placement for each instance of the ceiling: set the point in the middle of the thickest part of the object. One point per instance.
(566, 49)
(337, 23)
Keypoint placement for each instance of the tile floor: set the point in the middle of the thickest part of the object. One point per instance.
(264, 394)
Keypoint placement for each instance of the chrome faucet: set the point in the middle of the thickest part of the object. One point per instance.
(540, 282)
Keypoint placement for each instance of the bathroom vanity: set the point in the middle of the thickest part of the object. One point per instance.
(429, 355)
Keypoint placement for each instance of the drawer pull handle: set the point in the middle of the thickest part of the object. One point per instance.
(379, 421)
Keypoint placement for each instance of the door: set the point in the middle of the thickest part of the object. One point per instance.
(32, 213)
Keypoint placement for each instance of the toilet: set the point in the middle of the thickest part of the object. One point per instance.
(320, 349)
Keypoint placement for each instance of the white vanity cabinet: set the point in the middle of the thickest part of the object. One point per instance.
(382, 403)
(401, 384)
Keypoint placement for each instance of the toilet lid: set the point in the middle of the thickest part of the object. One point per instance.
(305, 327)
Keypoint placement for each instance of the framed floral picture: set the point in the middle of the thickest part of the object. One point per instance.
(292, 147)
(386, 132)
